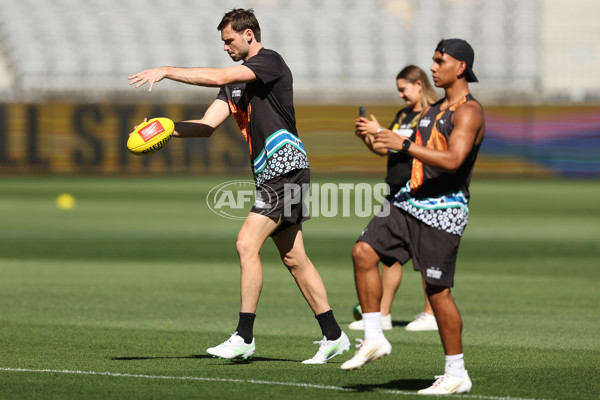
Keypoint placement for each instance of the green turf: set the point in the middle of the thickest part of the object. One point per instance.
(140, 278)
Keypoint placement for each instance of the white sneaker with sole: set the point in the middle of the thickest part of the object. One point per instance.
(329, 349)
(448, 384)
(386, 324)
(370, 350)
(423, 322)
(232, 348)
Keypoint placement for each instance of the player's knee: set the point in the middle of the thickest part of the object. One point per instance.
(289, 261)
(244, 247)
(363, 255)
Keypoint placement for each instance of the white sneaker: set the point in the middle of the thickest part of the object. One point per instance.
(329, 349)
(234, 347)
(369, 351)
(448, 384)
(386, 324)
(423, 322)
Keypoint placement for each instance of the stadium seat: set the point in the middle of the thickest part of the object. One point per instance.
(340, 45)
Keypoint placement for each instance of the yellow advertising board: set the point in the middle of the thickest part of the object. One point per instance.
(91, 138)
(72, 138)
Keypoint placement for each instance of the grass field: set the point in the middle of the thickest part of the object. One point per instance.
(121, 296)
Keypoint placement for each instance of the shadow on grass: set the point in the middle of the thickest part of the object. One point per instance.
(400, 384)
(202, 356)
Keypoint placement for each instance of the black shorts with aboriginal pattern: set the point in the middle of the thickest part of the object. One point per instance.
(397, 236)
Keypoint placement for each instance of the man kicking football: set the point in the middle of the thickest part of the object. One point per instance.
(259, 94)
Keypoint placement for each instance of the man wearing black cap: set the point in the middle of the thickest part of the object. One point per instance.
(430, 213)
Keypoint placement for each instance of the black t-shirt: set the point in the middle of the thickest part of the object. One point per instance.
(399, 164)
(264, 111)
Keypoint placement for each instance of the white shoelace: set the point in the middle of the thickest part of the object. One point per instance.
(439, 379)
(230, 340)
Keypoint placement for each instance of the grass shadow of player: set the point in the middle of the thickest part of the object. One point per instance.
(201, 356)
(400, 323)
(399, 384)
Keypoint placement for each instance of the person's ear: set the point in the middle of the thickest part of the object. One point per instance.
(249, 35)
(462, 68)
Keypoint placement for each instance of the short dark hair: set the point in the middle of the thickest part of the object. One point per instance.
(240, 20)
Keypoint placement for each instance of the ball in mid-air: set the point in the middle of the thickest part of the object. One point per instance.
(357, 312)
(150, 136)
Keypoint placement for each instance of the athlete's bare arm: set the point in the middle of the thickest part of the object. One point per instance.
(215, 115)
(210, 77)
(468, 131)
(366, 130)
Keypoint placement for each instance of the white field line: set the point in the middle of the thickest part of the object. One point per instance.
(249, 381)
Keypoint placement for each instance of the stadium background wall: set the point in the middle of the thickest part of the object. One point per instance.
(70, 138)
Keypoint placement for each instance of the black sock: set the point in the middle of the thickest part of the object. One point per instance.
(245, 326)
(329, 326)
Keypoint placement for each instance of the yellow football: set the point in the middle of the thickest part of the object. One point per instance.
(150, 136)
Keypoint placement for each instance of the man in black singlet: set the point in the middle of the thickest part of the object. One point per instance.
(431, 211)
(259, 94)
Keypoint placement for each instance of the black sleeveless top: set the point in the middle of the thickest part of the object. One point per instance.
(399, 164)
(433, 195)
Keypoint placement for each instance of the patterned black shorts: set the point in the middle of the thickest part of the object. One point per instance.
(400, 237)
(283, 197)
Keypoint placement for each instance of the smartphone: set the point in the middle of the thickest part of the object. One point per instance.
(362, 111)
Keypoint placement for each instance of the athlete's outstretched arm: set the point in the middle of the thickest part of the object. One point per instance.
(214, 116)
(210, 77)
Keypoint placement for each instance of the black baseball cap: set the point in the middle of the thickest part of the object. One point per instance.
(462, 51)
